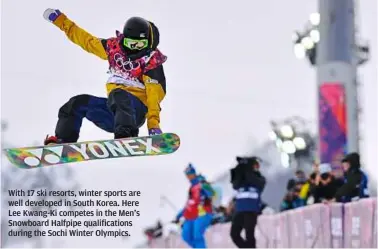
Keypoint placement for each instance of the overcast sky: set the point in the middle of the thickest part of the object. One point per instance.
(230, 70)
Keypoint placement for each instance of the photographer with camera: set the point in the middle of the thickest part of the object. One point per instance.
(248, 184)
(328, 185)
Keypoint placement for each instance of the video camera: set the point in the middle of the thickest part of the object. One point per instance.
(247, 173)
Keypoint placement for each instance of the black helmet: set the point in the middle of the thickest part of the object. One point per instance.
(136, 28)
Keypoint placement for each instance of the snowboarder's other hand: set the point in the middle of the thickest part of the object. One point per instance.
(154, 131)
(51, 14)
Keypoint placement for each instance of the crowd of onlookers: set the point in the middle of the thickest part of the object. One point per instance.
(325, 185)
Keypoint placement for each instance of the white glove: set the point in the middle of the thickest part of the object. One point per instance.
(51, 14)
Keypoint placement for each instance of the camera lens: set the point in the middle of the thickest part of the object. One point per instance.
(324, 176)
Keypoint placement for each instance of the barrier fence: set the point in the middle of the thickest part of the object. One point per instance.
(351, 225)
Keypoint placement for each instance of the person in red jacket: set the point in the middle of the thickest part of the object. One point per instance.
(197, 211)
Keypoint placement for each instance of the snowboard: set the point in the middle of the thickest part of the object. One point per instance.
(58, 154)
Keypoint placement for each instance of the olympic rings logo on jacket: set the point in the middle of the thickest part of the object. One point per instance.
(128, 65)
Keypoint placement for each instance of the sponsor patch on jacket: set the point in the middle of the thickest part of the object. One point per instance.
(152, 81)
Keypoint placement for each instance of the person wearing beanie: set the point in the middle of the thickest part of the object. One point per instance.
(197, 211)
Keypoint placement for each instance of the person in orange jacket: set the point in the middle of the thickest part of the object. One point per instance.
(136, 84)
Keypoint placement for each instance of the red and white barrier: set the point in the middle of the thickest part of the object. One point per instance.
(359, 224)
(353, 225)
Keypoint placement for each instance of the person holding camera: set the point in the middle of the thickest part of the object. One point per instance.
(328, 185)
(248, 183)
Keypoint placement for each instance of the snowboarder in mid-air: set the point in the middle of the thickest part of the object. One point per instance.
(135, 88)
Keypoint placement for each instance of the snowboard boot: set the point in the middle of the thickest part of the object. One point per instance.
(125, 132)
(50, 140)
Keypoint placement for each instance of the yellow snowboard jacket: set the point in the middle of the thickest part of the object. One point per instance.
(153, 93)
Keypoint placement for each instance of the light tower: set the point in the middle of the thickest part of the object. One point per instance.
(294, 141)
(329, 43)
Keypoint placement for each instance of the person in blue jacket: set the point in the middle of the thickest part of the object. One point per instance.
(248, 183)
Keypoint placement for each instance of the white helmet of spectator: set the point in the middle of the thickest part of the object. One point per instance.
(325, 168)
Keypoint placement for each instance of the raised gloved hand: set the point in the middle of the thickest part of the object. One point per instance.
(154, 131)
(51, 14)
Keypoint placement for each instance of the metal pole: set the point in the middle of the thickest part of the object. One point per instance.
(336, 78)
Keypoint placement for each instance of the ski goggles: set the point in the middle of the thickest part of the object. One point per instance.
(134, 44)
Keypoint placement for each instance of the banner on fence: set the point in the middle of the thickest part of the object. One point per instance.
(353, 225)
